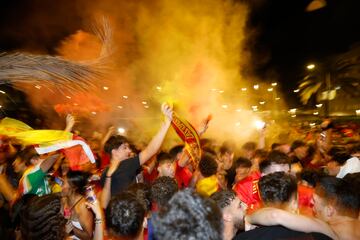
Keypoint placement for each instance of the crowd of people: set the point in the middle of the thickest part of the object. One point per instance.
(304, 189)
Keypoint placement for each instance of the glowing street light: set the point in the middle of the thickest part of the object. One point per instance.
(259, 124)
(316, 113)
(105, 88)
(120, 107)
(319, 105)
(158, 88)
(310, 66)
(293, 110)
(262, 102)
(296, 90)
(125, 97)
(256, 87)
(274, 84)
(277, 99)
(144, 102)
(270, 89)
(357, 112)
(121, 130)
(243, 89)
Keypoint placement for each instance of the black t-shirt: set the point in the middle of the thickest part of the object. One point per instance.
(123, 176)
(279, 233)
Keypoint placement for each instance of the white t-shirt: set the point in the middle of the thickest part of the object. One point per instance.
(352, 165)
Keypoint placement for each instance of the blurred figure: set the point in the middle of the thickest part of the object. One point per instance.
(189, 216)
(233, 212)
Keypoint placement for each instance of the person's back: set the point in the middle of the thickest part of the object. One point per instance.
(278, 191)
(279, 232)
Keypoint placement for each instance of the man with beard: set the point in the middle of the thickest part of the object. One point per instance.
(233, 212)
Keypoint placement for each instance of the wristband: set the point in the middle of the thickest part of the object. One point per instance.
(98, 221)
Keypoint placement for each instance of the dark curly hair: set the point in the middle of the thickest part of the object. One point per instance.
(42, 219)
(277, 187)
(188, 216)
(125, 215)
(162, 190)
(208, 165)
(223, 198)
(143, 193)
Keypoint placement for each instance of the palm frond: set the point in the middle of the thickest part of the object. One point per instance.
(54, 71)
(306, 93)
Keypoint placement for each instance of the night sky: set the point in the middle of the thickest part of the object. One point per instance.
(283, 37)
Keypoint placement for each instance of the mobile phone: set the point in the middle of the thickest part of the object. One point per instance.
(90, 194)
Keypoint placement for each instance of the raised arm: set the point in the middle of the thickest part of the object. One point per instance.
(48, 162)
(274, 216)
(108, 134)
(70, 122)
(155, 144)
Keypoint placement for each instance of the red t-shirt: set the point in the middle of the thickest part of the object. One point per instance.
(305, 195)
(248, 191)
(183, 176)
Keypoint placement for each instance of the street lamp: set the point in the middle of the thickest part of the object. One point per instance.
(310, 66)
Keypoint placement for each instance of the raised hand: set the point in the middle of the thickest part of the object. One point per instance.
(167, 110)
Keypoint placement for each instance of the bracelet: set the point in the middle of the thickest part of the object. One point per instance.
(98, 221)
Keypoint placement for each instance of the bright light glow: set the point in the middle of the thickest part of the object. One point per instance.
(259, 124)
(316, 113)
(293, 116)
(256, 87)
(292, 111)
(237, 124)
(121, 130)
(93, 113)
(125, 97)
(146, 106)
(319, 105)
(296, 90)
(244, 89)
(312, 124)
(120, 107)
(221, 91)
(75, 104)
(338, 88)
(270, 89)
(277, 99)
(144, 102)
(357, 112)
(213, 89)
(38, 86)
(239, 110)
(274, 84)
(158, 88)
(262, 102)
(1, 91)
(68, 97)
(254, 107)
(224, 106)
(310, 66)
(105, 88)
(0, 106)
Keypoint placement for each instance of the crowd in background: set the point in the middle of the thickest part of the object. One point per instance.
(304, 189)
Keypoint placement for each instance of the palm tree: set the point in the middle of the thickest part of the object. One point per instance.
(341, 73)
